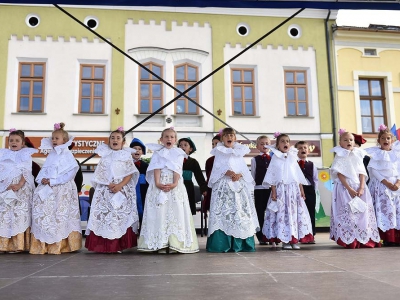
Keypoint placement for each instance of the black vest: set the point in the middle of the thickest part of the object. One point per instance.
(261, 168)
(308, 172)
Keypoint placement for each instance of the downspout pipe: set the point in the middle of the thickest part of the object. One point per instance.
(331, 95)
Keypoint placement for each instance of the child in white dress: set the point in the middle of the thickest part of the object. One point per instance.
(353, 222)
(113, 221)
(56, 224)
(233, 218)
(286, 217)
(384, 169)
(167, 224)
(16, 191)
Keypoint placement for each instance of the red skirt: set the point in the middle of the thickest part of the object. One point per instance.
(356, 244)
(102, 245)
(391, 236)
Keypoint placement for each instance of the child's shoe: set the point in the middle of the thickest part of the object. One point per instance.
(286, 246)
(295, 247)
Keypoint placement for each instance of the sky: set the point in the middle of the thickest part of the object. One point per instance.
(362, 18)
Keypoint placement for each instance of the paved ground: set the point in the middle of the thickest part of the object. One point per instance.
(321, 271)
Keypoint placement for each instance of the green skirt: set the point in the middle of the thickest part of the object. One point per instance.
(218, 241)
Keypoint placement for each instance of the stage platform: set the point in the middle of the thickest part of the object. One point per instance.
(320, 271)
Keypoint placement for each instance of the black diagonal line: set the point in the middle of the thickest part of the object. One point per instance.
(168, 84)
(155, 75)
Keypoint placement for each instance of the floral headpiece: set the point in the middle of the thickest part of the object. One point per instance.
(382, 127)
(172, 128)
(220, 132)
(12, 130)
(120, 128)
(276, 134)
(341, 131)
(57, 126)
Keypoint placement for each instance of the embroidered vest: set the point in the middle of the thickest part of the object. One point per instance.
(308, 172)
(261, 168)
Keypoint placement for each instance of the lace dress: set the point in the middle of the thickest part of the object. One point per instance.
(113, 221)
(350, 228)
(15, 207)
(56, 225)
(385, 165)
(290, 222)
(233, 219)
(167, 219)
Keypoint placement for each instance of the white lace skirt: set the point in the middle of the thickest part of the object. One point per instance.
(166, 215)
(349, 226)
(54, 218)
(387, 205)
(15, 216)
(232, 209)
(292, 219)
(108, 221)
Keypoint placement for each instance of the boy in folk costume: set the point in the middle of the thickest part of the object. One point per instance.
(311, 174)
(358, 141)
(208, 168)
(35, 167)
(191, 167)
(259, 166)
(141, 165)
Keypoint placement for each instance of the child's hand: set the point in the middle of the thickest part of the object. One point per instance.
(205, 194)
(111, 187)
(360, 192)
(395, 186)
(303, 195)
(168, 187)
(352, 192)
(117, 188)
(273, 195)
(230, 173)
(14, 187)
(236, 177)
(45, 181)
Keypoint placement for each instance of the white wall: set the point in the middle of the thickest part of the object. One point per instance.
(61, 85)
(183, 43)
(269, 65)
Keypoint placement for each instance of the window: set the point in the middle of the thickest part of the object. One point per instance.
(372, 103)
(92, 89)
(296, 93)
(150, 92)
(370, 52)
(243, 92)
(31, 87)
(185, 76)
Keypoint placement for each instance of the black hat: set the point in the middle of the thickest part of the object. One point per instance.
(192, 145)
(137, 142)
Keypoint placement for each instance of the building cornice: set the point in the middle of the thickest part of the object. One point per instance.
(284, 13)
